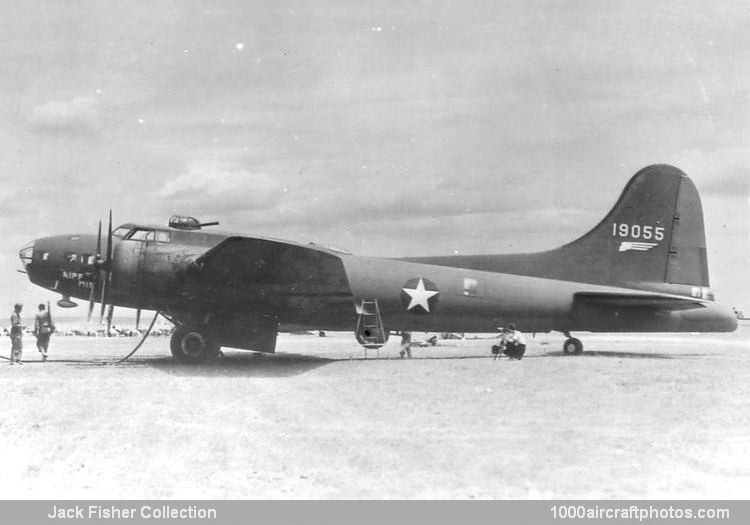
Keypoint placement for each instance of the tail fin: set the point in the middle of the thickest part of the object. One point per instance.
(654, 233)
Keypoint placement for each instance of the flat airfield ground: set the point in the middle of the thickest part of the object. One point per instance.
(636, 416)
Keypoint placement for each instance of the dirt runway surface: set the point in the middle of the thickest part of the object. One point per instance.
(637, 416)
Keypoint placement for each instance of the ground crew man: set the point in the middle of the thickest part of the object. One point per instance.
(405, 344)
(16, 335)
(43, 328)
(515, 342)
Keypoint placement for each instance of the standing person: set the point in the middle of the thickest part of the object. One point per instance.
(405, 344)
(515, 342)
(43, 328)
(16, 335)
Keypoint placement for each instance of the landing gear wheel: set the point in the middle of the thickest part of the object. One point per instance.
(572, 346)
(190, 344)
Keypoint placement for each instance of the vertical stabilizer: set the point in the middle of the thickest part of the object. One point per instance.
(654, 233)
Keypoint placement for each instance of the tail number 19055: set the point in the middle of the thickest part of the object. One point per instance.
(637, 231)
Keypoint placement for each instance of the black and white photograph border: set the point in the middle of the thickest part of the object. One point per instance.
(404, 133)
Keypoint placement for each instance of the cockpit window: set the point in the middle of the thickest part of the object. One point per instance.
(121, 232)
(147, 234)
(140, 235)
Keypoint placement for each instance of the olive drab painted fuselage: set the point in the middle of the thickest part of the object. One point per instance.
(643, 268)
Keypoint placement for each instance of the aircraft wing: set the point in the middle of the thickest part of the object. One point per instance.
(268, 268)
(640, 299)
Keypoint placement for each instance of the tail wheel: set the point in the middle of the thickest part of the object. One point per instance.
(192, 345)
(572, 346)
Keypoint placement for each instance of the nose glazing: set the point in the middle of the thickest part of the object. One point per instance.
(26, 253)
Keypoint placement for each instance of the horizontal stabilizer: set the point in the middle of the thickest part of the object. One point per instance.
(640, 299)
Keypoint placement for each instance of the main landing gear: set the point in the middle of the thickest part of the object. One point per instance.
(193, 344)
(572, 346)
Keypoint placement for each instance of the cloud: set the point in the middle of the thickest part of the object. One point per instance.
(732, 180)
(220, 189)
(395, 235)
(80, 116)
(497, 230)
(24, 200)
(9, 204)
(391, 196)
(724, 171)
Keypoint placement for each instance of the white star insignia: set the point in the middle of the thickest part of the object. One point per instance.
(419, 296)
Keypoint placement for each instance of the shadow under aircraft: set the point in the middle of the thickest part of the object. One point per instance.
(643, 268)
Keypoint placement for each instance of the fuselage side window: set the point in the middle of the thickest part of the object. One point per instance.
(71, 257)
(471, 287)
(162, 236)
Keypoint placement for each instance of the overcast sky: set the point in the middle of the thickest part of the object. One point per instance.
(388, 128)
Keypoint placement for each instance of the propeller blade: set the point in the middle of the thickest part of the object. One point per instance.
(107, 280)
(91, 300)
(109, 242)
(103, 299)
(99, 242)
(137, 318)
(95, 283)
(110, 312)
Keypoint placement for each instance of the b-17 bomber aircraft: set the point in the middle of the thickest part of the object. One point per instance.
(641, 269)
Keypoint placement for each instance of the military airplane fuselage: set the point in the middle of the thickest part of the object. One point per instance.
(642, 269)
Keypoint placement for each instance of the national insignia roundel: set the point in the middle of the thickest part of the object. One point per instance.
(419, 295)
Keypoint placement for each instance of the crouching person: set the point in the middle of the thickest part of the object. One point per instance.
(514, 342)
